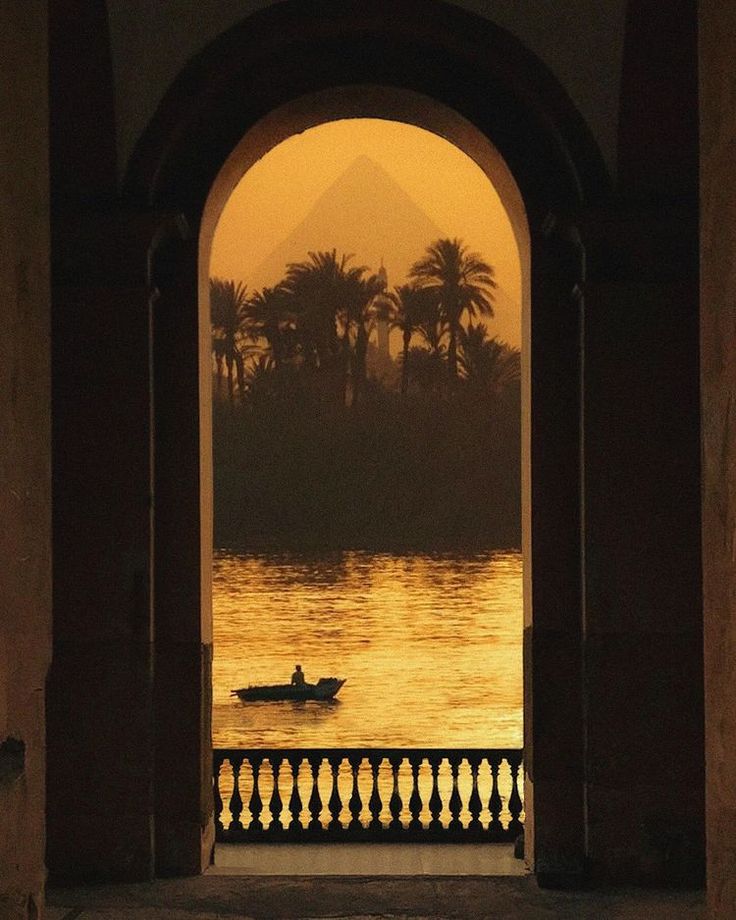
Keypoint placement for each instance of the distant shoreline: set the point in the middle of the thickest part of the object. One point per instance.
(447, 548)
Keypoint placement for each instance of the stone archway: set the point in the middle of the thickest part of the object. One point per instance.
(609, 703)
(373, 61)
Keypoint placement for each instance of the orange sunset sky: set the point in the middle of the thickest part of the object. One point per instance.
(310, 193)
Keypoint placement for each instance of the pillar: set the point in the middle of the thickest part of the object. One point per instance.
(642, 587)
(718, 356)
(25, 436)
(553, 704)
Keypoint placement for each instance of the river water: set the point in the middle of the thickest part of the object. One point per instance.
(431, 646)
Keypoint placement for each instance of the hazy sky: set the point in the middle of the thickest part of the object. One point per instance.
(280, 191)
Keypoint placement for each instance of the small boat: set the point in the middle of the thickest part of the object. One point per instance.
(325, 689)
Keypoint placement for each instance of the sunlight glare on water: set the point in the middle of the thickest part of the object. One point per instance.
(431, 646)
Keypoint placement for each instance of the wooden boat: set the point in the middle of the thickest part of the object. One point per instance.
(325, 689)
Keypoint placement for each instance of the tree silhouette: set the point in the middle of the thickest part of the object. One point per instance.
(428, 367)
(364, 306)
(487, 362)
(411, 309)
(269, 318)
(307, 465)
(461, 282)
(229, 317)
(332, 305)
(317, 292)
(261, 377)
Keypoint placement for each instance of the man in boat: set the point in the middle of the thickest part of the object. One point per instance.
(297, 678)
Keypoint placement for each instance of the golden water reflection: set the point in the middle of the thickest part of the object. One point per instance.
(431, 646)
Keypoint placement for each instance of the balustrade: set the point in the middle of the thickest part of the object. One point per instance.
(353, 794)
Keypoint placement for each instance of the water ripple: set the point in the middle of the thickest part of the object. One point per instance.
(430, 644)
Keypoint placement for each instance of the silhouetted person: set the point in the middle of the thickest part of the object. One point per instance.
(297, 678)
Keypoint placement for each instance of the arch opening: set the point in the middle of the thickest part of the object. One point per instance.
(381, 117)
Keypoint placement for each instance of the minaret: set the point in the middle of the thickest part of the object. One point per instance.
(382, 322)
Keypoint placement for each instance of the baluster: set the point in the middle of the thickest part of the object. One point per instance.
(395, 804)
(356, 803)
(375, 804)
(352, 826)
(435, 800)
(334, 806)
(456, 802)
(255, 807)
(315, 801)
(275, 804)
(219, 828)
(475, 806)
(295, 801)
(515, 804)
(495, 828)
(415, 800)
(235, 832)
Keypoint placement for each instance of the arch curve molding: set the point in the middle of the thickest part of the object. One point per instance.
(298, 47)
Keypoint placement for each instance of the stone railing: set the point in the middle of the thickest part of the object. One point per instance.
(370, 794)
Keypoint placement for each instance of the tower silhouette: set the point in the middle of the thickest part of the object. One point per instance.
(382, 329)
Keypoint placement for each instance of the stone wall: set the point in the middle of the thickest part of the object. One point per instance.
(718, 356)
(580, 41)
(111, 725)
(24, 454)
(633, 704)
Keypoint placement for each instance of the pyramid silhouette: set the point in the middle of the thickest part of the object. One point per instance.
(364, 212)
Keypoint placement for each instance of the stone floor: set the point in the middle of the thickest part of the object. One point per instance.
(365, 860)
(238, 897)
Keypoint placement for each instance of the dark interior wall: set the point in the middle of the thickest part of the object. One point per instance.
(658, 123)
(718, 354)
(579, 40)
(424, 45)
(641, 485)
(618, 730)
(184, 828)
(100, 687)
(120, 636)
(25, 494)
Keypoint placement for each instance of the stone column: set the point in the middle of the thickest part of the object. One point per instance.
(25, 442)
(553, 705)
(182, 554)
(100, 689)
(643, 621)
(718, 356)
(129, 691)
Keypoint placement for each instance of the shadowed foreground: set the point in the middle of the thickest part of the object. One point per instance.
(419, 898)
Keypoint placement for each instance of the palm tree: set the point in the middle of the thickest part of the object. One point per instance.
(428, 368)
(317, 290)
(261, 377)
(410, 310)
(330, 299)
(433, 330)
(488, 362)
(228, 315)
(363, 307)
(460, 281)
(269, 318)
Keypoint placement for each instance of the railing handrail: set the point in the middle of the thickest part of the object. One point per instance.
(368, 751)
